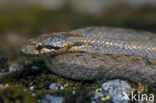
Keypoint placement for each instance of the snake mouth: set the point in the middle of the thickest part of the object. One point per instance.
(32, 50)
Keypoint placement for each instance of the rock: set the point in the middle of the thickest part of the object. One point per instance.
(52, 99)
(13, 69)
(118, 89)
(32, 87)
(56, 86)
(100, 96)
(34, 67)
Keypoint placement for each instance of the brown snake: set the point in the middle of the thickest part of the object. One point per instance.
(98, 52)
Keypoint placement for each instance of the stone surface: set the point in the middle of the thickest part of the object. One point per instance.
(118, 89)
(56, 86)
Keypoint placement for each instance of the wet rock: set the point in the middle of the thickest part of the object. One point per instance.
(52, 99)
(56, 86)
(118, 89)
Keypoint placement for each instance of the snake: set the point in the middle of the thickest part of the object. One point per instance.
(92, 53)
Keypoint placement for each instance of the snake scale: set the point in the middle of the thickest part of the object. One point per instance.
(98, 52)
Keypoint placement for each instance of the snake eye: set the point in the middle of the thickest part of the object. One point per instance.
(39, 46)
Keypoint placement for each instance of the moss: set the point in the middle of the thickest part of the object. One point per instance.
(15, 94)
(29, 76)
(41, 77)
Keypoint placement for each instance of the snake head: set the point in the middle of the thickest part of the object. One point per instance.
(46, 44)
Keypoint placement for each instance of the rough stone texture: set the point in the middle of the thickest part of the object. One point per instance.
(116, 89)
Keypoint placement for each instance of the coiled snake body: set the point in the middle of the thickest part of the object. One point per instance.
(98, 52)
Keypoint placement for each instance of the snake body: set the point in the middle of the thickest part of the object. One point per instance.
(98, 52)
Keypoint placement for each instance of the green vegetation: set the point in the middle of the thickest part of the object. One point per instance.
(15, 94)
(41, 77)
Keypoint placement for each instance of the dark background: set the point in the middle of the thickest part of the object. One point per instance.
(24, 19)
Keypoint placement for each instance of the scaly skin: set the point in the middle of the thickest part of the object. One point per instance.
(98, 52)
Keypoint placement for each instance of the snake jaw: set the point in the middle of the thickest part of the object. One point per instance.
(45, 51)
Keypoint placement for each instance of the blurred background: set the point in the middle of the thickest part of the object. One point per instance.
(24, 19)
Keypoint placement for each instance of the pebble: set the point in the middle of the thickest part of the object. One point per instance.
(33, 94)
(32, 87)
(34, 67)
(52, 99)
(56, 86)
(101, 96)
(13, 69)
(117, 90)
